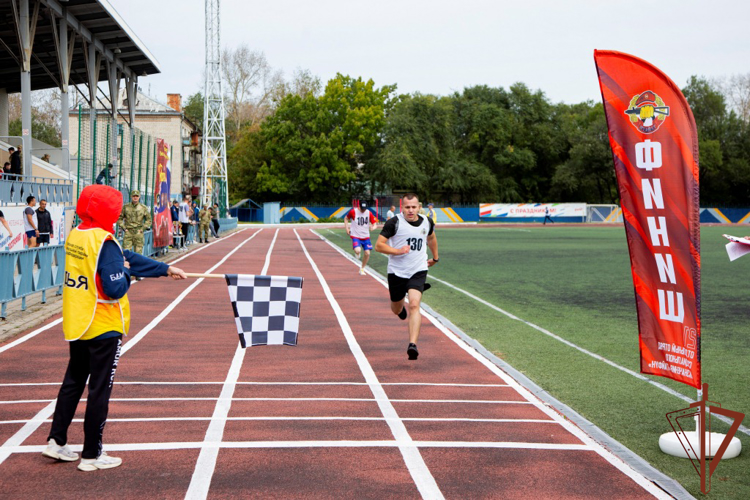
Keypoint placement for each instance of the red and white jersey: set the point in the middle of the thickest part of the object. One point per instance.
(361, 220)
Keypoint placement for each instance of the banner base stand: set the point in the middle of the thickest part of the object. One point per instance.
(670, 444)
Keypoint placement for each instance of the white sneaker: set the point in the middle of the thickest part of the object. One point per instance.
(103, 462)
(57, 452)
(362, 271)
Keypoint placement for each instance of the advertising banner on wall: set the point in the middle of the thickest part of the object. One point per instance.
(532, 210)
(162, 214)
(654, 145)
(14, 217)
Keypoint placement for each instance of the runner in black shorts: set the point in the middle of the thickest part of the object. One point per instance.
(404, 239)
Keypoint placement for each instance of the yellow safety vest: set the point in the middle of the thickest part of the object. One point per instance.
(87, 313)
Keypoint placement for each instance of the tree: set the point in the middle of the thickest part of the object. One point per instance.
(249, 83)
(736, 90)
(45, 116)
(588, 174)
(317, 145)
(194, 109)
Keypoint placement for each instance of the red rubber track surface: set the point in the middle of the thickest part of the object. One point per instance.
(167, 387)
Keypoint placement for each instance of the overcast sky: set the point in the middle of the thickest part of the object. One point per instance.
(440, 46)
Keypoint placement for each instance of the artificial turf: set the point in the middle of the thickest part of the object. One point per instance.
(576, 283)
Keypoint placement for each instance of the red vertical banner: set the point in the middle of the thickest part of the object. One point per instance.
(655, 150)
(162, 214)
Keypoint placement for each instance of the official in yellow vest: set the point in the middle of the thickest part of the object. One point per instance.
(96, 314)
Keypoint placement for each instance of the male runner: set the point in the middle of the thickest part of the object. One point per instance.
(404, 239)
(363, 221)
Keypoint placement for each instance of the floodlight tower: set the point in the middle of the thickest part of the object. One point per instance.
(214, 167)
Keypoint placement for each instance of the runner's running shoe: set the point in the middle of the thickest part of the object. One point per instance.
(412, 352)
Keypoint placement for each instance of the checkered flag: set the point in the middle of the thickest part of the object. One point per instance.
(266, 308)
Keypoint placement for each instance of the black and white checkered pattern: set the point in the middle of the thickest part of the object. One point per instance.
(266, 308)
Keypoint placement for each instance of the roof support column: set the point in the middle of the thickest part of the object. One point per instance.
(4, 114)
(64, 59)
(114, 91)
(26, 45)
(93, 63)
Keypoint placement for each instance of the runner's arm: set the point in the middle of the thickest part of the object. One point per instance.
(347, 217)
(432, 243)
(383, 247)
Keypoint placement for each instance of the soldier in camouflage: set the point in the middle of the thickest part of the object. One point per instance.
(205, 221)
(135, 219)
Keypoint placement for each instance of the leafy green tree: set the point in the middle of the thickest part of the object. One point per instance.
(40, 130)
(244, 161)
(588, 173)
(317, 145)
(193, 109)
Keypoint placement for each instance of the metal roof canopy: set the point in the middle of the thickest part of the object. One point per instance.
(90, 22)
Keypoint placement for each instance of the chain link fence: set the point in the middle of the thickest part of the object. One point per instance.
(133, 160)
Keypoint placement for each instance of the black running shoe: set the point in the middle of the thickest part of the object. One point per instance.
(402, 314)
(412, 351)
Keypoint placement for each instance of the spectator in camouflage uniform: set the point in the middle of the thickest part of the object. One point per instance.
(205, 219)
(135, 219)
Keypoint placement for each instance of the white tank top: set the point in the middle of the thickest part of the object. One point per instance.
(406, 266)
(361, 224)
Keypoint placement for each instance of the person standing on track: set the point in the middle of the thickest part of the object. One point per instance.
(363, 221)
(404, 239)
(205, 221)
(96, 314)
(134, 220)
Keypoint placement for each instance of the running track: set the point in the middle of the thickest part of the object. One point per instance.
(342, 415)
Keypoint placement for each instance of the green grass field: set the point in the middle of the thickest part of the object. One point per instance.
(576, 283)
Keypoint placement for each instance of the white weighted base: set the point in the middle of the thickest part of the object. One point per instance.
(670, 445)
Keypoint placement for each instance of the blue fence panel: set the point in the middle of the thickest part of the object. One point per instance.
(30, 271)
(244, 214)
(14, 191)
(227, 224)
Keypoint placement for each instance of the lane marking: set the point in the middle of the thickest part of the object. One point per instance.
(56, 322)
(27, 430)
(413, 445)
(200, 482)
(668, 390)
(422, 476)
(436, 384)
(577, 432)
(292, 419)
(230, 399)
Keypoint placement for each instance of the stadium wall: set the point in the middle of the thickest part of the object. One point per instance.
(599, 213)
(313, 213)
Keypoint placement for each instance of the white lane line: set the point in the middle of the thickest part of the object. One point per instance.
(292, 419)
(30, 335)
(59, 320)
(230, 399)
(27, 430)
(435, 384)
(414, 445)
(576, 431)
(206, 463)
(422, 476)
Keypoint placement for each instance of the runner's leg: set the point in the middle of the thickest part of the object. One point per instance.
(415, 316)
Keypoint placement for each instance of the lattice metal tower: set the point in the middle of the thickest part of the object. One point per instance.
(214, 168)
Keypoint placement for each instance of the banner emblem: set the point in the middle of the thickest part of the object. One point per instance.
(647, 112)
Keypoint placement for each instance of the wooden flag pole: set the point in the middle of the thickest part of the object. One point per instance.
(200, 275)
